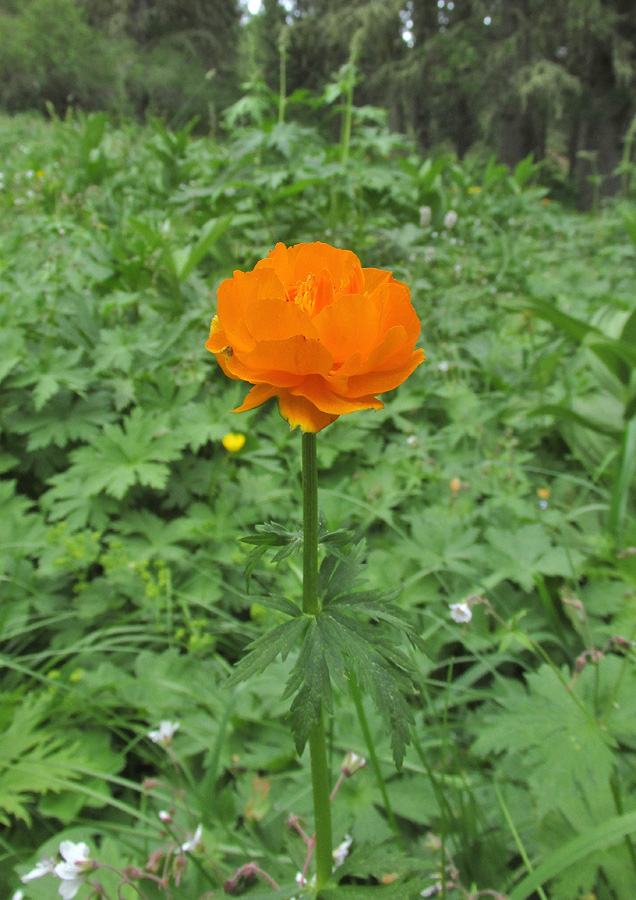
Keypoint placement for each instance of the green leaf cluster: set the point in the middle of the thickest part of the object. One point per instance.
(356, 633)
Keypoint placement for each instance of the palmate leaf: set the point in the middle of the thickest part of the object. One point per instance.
(264, 650)
(66, 418)
(53, 369)
(338, 643)
(557, 743)
(356, 632)
(120, 458)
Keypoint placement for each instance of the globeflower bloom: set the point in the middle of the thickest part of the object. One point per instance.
(310, 326)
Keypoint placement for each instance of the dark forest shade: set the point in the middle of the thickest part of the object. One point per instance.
(520, 77)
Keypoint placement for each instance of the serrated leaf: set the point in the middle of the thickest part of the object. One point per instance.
(120, 458)
(264, 650)
(282, 604)
(562, 750)
(271, 534)
(309, 681)
(340, 573)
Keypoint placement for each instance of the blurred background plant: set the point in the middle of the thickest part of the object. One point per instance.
(436, 68)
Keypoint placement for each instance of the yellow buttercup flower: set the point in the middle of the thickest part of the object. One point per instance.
(233, 442)
(474, 189)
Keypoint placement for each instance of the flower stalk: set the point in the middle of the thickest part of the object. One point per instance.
(320, 780)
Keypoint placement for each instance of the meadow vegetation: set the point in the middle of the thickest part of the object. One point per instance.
(496, 487)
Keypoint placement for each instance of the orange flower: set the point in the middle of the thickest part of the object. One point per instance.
(310, 326)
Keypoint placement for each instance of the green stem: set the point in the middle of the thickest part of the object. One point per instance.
(320, 780)
(282, 73)
(345, 134)
(321, 787)
(311, 606)
(375, 764)
(517, 839)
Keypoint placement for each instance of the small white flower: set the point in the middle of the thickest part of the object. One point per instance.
(435, 888)
(425, 216)
(460, 613)
(412, 440)
(194, 842)
(352, 762)
(452, 240)
(342, 851)
(165, 816)
(443, 365)
(457, 268)
(450, 219)
(29, 173)
(163, 734)
(74, 868)
(43, 867)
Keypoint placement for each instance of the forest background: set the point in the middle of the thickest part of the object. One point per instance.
(555, 79)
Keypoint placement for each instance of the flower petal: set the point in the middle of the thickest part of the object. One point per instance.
(342, 265)
(349, 325)
(73, 853)
(234, 368)
(275, 319)
(68, 889)
(378, 382)
(236, 295)
(300, 411)
(317, 391)
(296, 355)
(257, 396)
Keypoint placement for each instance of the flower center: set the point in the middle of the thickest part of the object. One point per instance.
(303, 294)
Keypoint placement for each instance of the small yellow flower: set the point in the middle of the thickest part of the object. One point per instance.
(455, 485)
(233, 442)
(39, 173)
(543, 493)
(474, 189)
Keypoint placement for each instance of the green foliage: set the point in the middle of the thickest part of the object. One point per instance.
(121, 571)
(48, 53)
